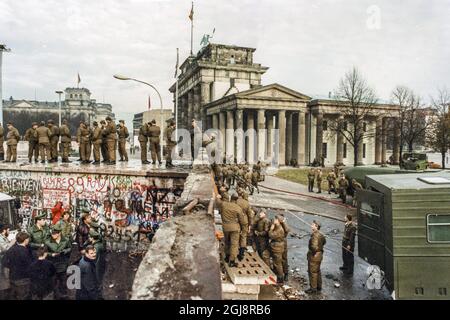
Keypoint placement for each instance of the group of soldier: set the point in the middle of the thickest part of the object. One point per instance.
(37, 261)
(315, 176)
(46, 142)
(241, 176)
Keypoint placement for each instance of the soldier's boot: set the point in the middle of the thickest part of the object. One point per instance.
(241, 254)
(232, 264)
(146, 162)
(286, 277)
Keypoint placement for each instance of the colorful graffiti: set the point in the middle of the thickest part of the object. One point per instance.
(126, 206)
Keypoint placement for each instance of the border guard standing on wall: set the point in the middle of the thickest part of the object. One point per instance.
(66, 141)
(123, 134)
(33, 144)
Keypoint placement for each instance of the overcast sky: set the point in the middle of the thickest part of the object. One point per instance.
(308, 45)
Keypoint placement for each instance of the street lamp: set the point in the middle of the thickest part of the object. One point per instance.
(124, 78)
(59, 93)
(3, 48)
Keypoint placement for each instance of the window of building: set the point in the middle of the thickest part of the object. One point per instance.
(364, 150)
(438, 228)
(344, 151)
(324, 150)
(325, 125)
(71, 96)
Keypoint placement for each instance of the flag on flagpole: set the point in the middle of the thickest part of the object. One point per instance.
(79, 80)
(149, 103)
(191, 15)
(177, 65)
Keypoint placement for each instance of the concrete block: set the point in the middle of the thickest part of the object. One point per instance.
(239, 296)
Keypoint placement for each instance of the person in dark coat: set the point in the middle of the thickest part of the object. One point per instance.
(42, 272)
(348, 245)
(17, 260)
(90, 286)
(83, 231)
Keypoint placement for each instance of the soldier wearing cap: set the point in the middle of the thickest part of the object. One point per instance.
(123, 134)
(97, 142)
(315, 256)
(111, 140)
(59, 249)
(143, 141)
(39, 232)
(12, 139)
(33, 143)
(170, 143)
(232, 218)
(66, 225)
(154, 133)
(261, 228)
(85, 143)
(247, 221)
(284, 257)
(277, 247)
(44, 134)
(2, 140)
(54, 139)
(104, 146)
(66, 141)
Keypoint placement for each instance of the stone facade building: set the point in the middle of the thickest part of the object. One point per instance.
(76, 105)
(221, 86)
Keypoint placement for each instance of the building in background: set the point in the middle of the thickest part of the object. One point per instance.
(77, 106)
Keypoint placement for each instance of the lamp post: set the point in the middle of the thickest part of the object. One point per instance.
(120, 77)
(59, 93)
(3, 48)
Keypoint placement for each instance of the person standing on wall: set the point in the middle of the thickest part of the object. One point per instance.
(85, 143)
(170, 143)
(123, 134)
(104, 146)
(96, 142)
(2, 140)
(111, 140)
(54, 139)
(143, 141)
(33, 143)
(66, 141)
(154, 133)
(12, 139)
(44, 141)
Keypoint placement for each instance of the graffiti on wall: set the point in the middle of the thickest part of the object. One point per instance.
(126, 206)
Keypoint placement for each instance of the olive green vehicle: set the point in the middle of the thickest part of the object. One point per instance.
(414, 161)
(404, 228)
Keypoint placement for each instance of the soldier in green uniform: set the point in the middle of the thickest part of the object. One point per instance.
(39, 232)
(311, 178)
(285, 260)
(247, 221)
(154, 133)
(171, 143)
(96, 142)
(85, 143)
(277, 248)
(66, 225)
(348, 245)
(143, 141)
(343, 185)
(261, 227)
(230, 176)
(232, 217)
(12, 139)
(2, 140)
(66, 141)
(104, 146)
(44, 141)
(111, 140)
(59, 249)
(331, 178)
(33, 145)
(54, 139)
(319, 180)
(123, 135)
(315, 256)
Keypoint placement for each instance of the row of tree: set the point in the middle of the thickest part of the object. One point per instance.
(413, 123)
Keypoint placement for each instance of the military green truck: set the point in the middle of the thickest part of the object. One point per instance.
(414, 161)
(404, 228)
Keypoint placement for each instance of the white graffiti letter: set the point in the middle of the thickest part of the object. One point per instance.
(374, 20)
(74, 278)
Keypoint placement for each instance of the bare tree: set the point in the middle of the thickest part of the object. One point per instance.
(410, 120)
(439, 133)
(357, 100)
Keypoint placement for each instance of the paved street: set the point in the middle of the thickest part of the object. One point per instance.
(297, 209)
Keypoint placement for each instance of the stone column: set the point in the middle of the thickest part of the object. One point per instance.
(289, 124)
(384, 140)
(396, 146)
(269, 134)
(222, 128)
(340, 141)
(378, 139)
(282, 135)
(215, 121)
(261, 135)
(239, 133)
(319, 136)
(190, 108)
(359, 159)
(205, 99)
(230, 136)
(301, 156)
(196, 104)
(251, 137)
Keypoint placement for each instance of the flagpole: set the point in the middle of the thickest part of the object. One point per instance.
(176, 104)
(192, 29)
